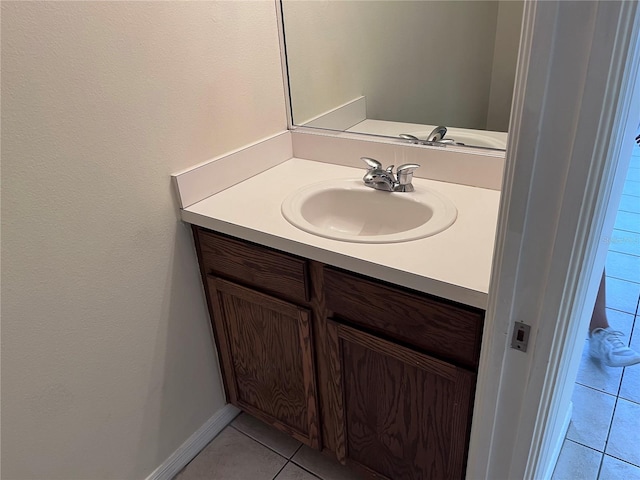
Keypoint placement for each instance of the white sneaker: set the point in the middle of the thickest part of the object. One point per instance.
(606, 345)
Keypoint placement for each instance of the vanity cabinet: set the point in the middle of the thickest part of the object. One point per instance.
(380, 376)
(405, 413)
(443, 329)
(264, 341)
(267, 354)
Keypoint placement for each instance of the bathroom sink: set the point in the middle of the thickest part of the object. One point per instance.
(478, 139)
(347, 210)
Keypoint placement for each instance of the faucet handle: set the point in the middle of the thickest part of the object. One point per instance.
(372, 163)
(408, 136)
(405, 173)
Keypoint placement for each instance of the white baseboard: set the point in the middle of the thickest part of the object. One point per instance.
(194, 444)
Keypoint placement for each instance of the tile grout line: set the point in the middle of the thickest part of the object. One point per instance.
(302, 466)
(619, 387)
(280, 471)
(297, 450)
(596, 390)
(306, 470)
(620, 229)
(620, 311)
(624, 371)
(617, 396)
(265, 445)
(622, 279)
(602, 455)
(623, 460)
(287, 460)
(624, 253)
(606, 442)
(583, 445)
(615, 405)
(600, 465)
(256, 441)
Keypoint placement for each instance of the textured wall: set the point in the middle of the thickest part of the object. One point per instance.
(107, 362)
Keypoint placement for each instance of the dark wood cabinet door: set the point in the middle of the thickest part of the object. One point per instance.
(267, 356)
(404, 415)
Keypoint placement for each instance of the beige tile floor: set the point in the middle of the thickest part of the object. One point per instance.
(251, 450)
(603, 440)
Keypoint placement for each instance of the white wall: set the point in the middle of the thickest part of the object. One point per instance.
(424, 62)
(107, 361)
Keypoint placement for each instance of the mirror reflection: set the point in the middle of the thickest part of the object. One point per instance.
(404, 68)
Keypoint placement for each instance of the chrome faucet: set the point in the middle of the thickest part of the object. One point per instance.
(384, 179)
(436, 135)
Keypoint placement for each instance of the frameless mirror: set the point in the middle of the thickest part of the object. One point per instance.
(402, 68)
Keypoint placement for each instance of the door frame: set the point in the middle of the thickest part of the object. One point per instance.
(575, 110)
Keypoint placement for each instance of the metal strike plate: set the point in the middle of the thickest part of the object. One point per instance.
(520, 338)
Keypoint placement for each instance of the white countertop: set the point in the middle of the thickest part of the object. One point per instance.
(454, 264)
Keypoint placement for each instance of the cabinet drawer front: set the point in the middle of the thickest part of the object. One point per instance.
(267, 353)
(440, 328)
(254, 266)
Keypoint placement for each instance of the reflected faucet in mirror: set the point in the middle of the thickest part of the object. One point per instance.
(436, 136)
(379, 178)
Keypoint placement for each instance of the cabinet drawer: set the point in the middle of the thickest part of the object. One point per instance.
(443, 329)
(253, 265)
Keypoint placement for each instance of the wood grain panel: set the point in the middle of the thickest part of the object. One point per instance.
(382, 407)
(330, 392)
(442, 329)
(253, 265)
(405, 414)
(268, 355)
(218, 332)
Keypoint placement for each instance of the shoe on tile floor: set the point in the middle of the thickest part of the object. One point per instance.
(607, 346)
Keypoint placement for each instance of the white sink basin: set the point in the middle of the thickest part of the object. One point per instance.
(349, 211)
(478, 139)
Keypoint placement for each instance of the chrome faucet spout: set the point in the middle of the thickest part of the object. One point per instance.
(379, 179)
(437, 134)
(435, 138)
(385, 180)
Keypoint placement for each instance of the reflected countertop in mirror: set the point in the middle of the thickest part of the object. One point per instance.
(457, 136)
(371, 66)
